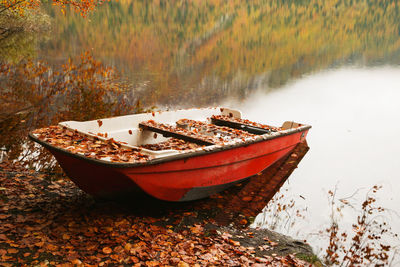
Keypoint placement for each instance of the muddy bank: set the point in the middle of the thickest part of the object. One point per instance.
(45, 219)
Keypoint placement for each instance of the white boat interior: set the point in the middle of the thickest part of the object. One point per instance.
(126, 130)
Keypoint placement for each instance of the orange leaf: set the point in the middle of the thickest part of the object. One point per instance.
(107, 250)
(235, 243)
(39, 244)
(65, 237)
(247, 199)
(12, 250)
(128, 247)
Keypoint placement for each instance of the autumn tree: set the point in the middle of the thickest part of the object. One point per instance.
(34, 94)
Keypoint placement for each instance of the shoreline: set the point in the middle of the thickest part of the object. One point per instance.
(50, 221)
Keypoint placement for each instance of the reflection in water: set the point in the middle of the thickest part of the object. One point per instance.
(199, 52)
(19, 35)
(252, 198)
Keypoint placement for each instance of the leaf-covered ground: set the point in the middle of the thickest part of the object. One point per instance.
(46, 220)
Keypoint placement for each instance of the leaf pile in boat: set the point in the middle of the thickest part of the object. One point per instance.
(172, 143)
(193, 134)
(222, 132)
(202, 131)
(246, 122)
(76, 142)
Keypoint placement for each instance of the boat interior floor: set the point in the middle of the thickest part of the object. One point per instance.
(220, 130)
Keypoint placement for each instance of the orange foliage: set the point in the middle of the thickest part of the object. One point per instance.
(19, 6)
(34, 95)
(84, 89)
(81, 6)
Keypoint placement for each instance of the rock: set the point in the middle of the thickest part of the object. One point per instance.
(279, 244)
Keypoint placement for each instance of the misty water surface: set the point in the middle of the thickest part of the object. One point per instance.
(354, 143)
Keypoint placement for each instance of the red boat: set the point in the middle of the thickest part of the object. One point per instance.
(173, 155)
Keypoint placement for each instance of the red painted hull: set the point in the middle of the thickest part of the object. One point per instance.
(185, 178)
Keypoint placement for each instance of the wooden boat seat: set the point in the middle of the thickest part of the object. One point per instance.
(180, 133)
(244, 125)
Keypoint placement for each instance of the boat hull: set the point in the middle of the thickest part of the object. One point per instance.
(182, 179)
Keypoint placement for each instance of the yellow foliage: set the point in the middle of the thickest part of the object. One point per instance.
(222, 37)
(18, 6)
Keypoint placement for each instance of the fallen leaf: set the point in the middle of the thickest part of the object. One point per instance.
(243, 221)
(107, 250)
(196, 229)
(12, 250)
(66, 236)
(76, 262)
(127, 247)
(182, 264)
(39, 244)
(235, 243)
(248, 198)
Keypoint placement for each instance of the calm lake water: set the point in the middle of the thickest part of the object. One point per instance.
(330, 64)
(353, 143)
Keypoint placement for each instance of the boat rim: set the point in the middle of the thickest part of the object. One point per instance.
(189, 154)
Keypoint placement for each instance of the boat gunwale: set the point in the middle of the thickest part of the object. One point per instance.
(183, 155)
